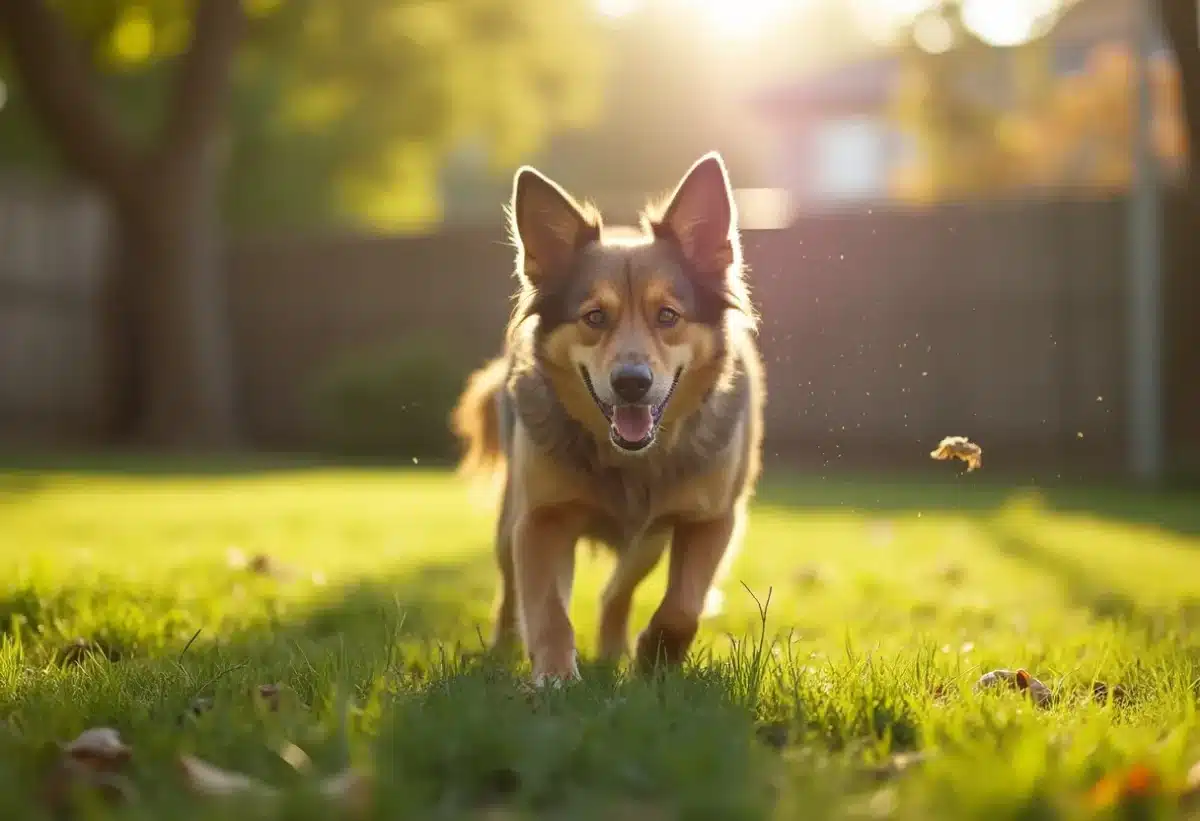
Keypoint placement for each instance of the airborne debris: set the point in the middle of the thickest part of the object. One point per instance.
(959, 447)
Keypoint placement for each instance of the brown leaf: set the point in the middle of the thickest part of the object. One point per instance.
(206, 779)
(99, 748)
(269, 693)
(81, 649)
(959, 447)
(69, 778)
(350, 790)
(1138, 782)
(296, 758)
(898, 765)
(89, 764)
(1189, 796)
(1101, 690)
(1018, 680)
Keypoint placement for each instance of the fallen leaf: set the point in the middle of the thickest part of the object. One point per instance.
(1189, 796)
(349, 789)
(81, 649)
(1138, 782)
(1101, 691)
(206, 779)
(959, 447)
(270, 694)
(898, 765)
(69, 778)
(200, 705)
(99, 748)
(294, 756)
(90, 764)
(1019, 680)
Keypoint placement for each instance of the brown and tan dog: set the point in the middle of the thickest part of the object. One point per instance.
(626, 410)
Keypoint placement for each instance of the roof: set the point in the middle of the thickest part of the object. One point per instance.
(866, 85)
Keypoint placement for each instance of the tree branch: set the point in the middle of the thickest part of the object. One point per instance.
(56, 76)
(201, 86)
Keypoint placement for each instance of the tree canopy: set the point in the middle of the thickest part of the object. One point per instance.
(342, 111)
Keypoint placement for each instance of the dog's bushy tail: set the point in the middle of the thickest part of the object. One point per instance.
(475, 420)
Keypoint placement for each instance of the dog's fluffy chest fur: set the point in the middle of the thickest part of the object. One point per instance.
(688, 478)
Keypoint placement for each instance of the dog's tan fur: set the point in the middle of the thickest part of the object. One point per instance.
(670, 297)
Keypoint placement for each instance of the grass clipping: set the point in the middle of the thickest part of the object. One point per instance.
(959, 447)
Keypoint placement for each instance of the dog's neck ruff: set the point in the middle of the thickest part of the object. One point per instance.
(692, 449)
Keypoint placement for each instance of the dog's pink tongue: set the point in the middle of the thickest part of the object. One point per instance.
(633, 422)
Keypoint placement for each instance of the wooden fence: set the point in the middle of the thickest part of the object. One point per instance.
(882, 330)
(53, 246)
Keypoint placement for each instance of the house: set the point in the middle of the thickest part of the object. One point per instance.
(837, 145)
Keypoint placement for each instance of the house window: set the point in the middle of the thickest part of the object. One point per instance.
(849, 158)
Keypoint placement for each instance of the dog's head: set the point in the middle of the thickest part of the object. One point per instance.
(631, 324)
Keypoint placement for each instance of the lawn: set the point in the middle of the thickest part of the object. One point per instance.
(859, 617)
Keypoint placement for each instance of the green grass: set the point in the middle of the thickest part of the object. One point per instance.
(887, 601)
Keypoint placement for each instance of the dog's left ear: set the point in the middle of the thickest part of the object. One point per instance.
(701, 216)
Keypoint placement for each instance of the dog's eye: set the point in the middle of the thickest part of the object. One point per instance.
(596, 318)
(667, 317)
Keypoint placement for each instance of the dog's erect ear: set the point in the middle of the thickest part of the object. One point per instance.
(701, 216)
(550, 226)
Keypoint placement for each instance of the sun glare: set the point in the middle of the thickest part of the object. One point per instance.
(741, 18)
(1009, 23)
(730, 18)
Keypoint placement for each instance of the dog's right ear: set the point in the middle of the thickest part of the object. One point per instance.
(549, 225)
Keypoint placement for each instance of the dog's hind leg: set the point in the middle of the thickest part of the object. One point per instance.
(634, 563)
(505, 636)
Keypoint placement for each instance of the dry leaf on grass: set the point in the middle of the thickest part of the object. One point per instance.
(350, 790)
(90, 763)
(1019, 680)
(100, 748)
(1189, 797)
(959, 447)
(80, 650)
(1102, 690)
(1138, 782)
(206, 779)
(269, 693)
(898, 765)
(296, 758)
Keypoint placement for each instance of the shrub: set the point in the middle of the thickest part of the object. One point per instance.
(392, 403)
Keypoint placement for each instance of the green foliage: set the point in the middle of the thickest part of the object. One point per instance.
(343, 112)
(392, 403)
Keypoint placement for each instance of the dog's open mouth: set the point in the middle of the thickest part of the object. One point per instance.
(631, 427)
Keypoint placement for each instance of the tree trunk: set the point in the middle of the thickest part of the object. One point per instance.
(177, 341)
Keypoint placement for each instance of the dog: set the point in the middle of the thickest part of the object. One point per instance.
(626, 410)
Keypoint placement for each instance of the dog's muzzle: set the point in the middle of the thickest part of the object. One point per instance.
(633, 425)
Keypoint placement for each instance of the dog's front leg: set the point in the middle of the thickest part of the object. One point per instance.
(696, 552)
(544, 554)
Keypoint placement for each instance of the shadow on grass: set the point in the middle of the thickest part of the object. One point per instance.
(922, 490)
(1177, 510)
(1085, 590)
(446, 603)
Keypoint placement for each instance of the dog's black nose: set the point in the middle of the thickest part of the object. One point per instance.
(631, 381)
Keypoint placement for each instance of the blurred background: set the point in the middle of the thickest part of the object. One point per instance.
(276, 225)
